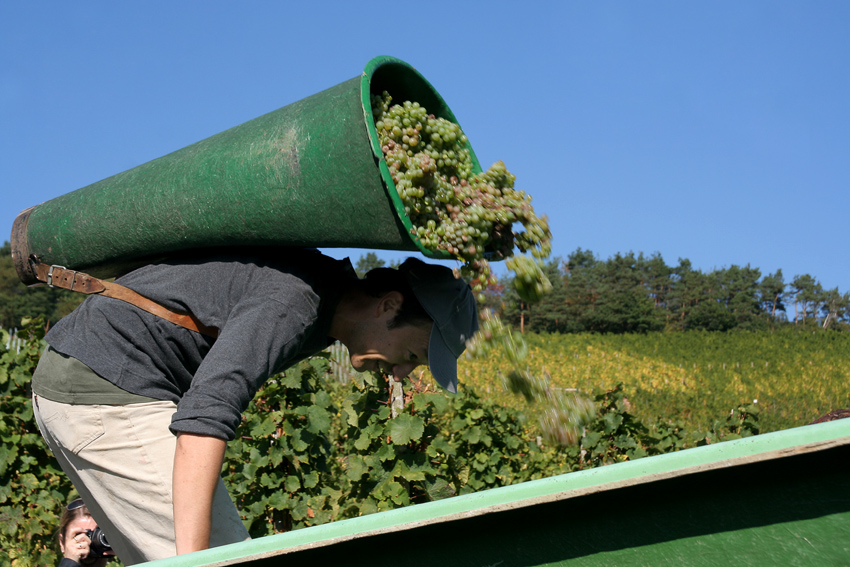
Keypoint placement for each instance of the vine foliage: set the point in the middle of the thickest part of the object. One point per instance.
(311, 449)
(33, 489)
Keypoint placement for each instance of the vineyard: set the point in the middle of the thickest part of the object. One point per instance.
(796, 375)
(320, 444)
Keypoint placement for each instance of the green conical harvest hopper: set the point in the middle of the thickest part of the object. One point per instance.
(309, 174)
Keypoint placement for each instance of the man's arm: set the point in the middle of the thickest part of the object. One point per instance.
(197, 468)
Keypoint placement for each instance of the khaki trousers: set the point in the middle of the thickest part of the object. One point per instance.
(120, 459)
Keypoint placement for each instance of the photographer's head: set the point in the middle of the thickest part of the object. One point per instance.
(76, 531)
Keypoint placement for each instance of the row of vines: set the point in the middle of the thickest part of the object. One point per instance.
(314, 449)
(794, 375)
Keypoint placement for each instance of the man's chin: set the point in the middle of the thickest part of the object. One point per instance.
(369, 365)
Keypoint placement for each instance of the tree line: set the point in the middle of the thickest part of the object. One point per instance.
(630, 293)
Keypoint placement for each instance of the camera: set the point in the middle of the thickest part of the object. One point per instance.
(99, 545)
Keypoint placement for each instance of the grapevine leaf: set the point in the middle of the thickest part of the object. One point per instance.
(612, 422)
(322, 399)
(291, 378)
(353, 416)
(386, 452)
(472, 435)
(297, 441)
(311, 479)
(266, 427)
(441, 444)
(406, 428)
(292, 484)
(439, 401)
(413, 467)
(383, 413)
(279, 501)
(319, 420)
(356, 467)
(363, 442)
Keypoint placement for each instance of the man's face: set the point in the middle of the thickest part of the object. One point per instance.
(394, 352)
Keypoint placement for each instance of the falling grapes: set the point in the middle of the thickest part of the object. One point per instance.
(564, 414)
(471, 216)
(530, 283)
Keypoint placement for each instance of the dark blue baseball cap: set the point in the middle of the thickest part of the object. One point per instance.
(449, 301)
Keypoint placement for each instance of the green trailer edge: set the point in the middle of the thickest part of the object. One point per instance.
(830, 440)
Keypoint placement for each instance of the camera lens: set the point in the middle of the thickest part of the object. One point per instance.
(99, 543)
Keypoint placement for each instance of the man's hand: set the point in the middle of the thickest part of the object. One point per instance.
(197, 468)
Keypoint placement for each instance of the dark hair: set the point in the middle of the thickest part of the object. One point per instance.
(76, 509)
(380, 281)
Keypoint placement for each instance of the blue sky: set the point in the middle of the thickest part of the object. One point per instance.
(716, 132)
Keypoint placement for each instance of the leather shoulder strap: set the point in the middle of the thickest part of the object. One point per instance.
(61, 277)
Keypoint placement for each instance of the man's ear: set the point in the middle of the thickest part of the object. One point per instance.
(389, 304)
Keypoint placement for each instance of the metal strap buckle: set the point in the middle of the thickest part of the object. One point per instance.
(50, 275)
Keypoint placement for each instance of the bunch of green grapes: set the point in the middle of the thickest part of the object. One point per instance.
(530, 282)
(470, 216)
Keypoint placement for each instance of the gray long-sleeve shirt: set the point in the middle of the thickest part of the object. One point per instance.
(271, 311)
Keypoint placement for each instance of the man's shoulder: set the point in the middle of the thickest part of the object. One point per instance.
(250, 259)
(308, 263)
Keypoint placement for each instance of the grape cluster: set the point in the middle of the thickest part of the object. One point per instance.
(470, 216)
(530, 283)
